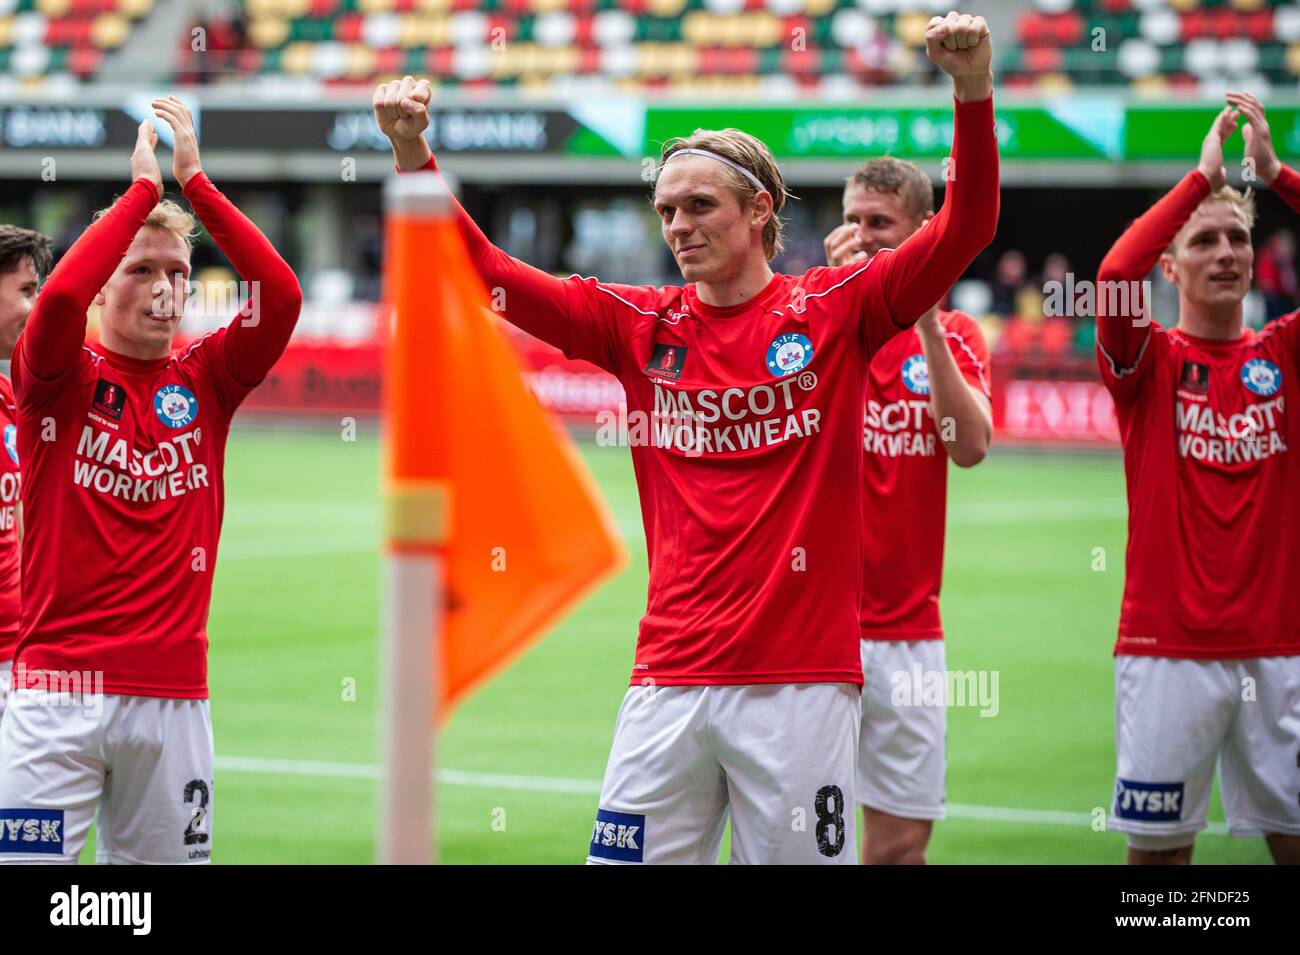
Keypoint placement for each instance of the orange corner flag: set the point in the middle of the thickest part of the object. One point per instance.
(476, 469)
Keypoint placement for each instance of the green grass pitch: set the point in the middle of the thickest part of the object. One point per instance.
(294, 653)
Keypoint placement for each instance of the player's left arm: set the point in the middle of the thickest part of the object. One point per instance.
(1281, 178)
(257, 336)
(962, 411)
(915, 276)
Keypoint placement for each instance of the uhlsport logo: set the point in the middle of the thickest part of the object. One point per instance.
(31, 830)
(11, 441)
(1261, 376)
(1148, 802)
(619, 836)
(916, 375)
(175, 406)
(788, 354)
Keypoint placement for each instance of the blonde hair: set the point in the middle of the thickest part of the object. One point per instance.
(749, 153)
(1242, 201)
(900, 178)
(170, 217)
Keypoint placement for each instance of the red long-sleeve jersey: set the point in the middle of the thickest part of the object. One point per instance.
(746, 431)
(123, 502)
(10, 482)
(906, 478)
(1207, 427)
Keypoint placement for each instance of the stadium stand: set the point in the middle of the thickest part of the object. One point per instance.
(41, 38)
(798, 46)
(791, 47)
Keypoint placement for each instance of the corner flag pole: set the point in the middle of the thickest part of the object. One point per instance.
(417, 498)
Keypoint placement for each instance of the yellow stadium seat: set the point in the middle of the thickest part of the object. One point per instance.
(268, 33)
(761, 29)
(663, 59)
(1151, 87)
(557, 60)
(1248, 6)
(991, 326)
(665, 8)
(1054, 83)
(6, 32)
(266, 8)
(433, 6)
(1029, 305)
(108, 31)
(361, 62)
(135, 9)
(910, 28)
(511, 61)
(548, 6)
(1184, 6)
(701, 29)
(818, 8)
(53, 8)
(424, 31)
(376, 6)
(297, 58)
(1293, 58)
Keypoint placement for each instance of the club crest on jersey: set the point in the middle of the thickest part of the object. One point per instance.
(788, 354)
(175, 406)
(1261, 377)
(916, 376)
(11, 441)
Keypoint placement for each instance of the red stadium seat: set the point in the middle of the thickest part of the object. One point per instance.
(1057, 337)
(1195, 25)
(1223, 24)
(805, 64)
(1258, 26)
(84, 61)
(347, 28)
(1044, 59)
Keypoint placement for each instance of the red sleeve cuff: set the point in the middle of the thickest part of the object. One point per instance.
(430, 165)
(196, 182)
(1287, 185)
(149, 183)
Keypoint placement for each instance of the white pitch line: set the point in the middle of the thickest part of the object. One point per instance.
(591, 787)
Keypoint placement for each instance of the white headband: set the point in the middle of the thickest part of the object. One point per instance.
(723, 159)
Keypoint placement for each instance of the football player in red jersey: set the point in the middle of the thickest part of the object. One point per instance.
(745, 685)
(1207, 665)
(24, 258)
(928, 401)
(124, 446)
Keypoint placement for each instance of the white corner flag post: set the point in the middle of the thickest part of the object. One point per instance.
(417, 522)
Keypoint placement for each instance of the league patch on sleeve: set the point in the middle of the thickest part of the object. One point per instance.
(618, 836)
(31, 830)
(110, 399)
(1196, 377)
(667, 361)
(1148, 802)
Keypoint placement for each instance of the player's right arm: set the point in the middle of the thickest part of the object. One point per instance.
(55, 330)
(561, 313)
(1123, 320)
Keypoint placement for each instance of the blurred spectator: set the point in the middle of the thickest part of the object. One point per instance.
(1275, 273)
(1008, 280)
